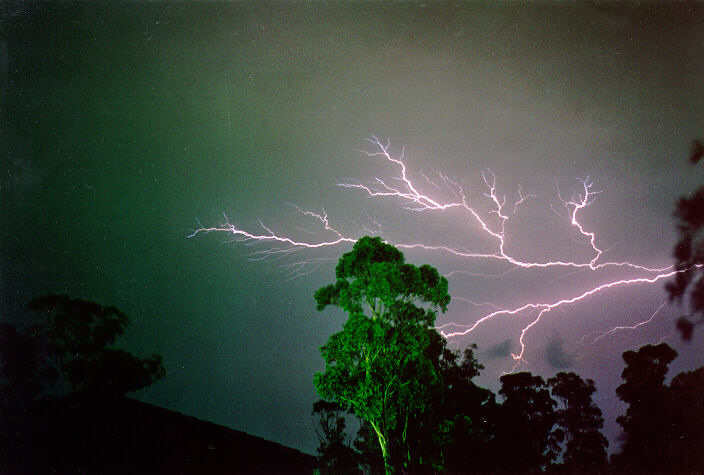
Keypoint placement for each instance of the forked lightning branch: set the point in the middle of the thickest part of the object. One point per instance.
(490, 217)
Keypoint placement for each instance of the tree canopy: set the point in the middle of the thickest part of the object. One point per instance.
(526, 423)
(65, 349)
(421, 412)
(662, 425)
(335, 452)
(581, 421)
(59, 374)
(378, 366)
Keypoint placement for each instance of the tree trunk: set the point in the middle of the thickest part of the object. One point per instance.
(389, 468)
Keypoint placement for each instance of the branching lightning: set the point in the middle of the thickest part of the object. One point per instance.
(491, 222)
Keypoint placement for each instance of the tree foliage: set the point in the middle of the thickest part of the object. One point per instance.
(464, 415)
(689, 255)
(527, 419)
(421, 412)
(65, 350)
(454, 432)
(61, 358)
(581, 421)
(335, 452)
(378, 366)
(463, 429)
(662, 425)
(687, 440)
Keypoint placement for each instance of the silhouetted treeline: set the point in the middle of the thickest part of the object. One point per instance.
(535, 425)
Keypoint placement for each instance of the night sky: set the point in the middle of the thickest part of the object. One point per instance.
(125, 126)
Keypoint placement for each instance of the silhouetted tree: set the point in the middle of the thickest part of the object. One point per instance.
(580, 420)
(526, 428)
(23, 371)
(647, 424)
(367, 446)
(335, 453)
(686, 399)
(663, 424)
(463, 430)
(61, 358)
(64, 350)
(377, 366)
(689, 254)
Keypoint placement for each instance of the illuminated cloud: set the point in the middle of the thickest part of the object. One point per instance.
(556, 356)
(500, 350)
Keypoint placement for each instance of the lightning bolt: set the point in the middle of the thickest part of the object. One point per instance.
(630, 327)
(491, 221)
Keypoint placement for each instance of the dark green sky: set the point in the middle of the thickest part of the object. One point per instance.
(124, 123)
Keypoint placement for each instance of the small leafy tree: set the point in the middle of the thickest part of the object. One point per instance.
(377, 366)
(580, 420)
(648, 419)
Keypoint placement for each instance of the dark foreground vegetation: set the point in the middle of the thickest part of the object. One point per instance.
(63, 408)
(63, 385)
(76, 435)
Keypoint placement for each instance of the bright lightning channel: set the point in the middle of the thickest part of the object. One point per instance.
(402, 188)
